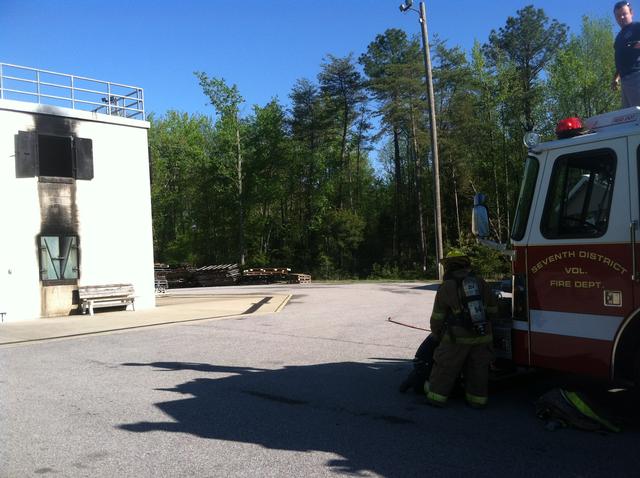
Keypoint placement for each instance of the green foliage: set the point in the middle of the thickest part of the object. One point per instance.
(297, 187)
(394, 272)
(487, 262)
(579, 78)
(181, 169)
(384, 271)
(224, 98)
(530, 42)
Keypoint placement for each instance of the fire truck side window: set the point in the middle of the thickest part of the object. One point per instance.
(527, 189)
(579, 197)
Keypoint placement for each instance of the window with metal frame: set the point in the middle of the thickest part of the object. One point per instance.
(58, 258)
(579, 198)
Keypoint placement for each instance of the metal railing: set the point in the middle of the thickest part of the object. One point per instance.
(33, 85)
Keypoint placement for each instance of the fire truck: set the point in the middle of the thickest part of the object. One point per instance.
(575, 295)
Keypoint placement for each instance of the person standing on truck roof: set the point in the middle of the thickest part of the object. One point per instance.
(460, 322)
(627, 55)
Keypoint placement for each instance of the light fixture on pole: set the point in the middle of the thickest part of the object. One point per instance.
(432, 123)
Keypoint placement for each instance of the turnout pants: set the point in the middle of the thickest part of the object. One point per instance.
(450, 359)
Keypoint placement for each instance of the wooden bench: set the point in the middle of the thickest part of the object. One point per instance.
(109, 295)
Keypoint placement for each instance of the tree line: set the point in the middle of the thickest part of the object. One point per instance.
(297, 186)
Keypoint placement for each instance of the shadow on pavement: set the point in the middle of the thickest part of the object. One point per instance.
(433, 287)
(354, 411)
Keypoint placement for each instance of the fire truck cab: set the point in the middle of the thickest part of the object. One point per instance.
(576, 283)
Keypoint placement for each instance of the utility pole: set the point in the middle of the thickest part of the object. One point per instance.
(432, 124)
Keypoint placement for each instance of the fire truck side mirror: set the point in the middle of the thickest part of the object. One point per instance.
(480, 226)
(480, 217)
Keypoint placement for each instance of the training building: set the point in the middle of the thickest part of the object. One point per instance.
(75, 200)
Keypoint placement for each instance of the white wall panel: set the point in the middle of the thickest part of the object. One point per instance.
(113, 210)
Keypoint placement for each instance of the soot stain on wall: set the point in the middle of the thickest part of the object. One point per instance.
(57, 196)
(58, 205)
(57, 199)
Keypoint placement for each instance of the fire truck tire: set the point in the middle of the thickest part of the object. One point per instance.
(636, 370)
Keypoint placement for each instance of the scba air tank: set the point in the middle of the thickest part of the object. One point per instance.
(473, 302)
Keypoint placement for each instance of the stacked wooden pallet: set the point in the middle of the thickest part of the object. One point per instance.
(180, 277)
(221, 274)
(265, 275)
(299, 278)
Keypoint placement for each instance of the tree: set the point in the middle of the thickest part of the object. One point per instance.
(579, 77)
(308, 129)
(227, 100)
(530, 41)
(181, 160)
(454, 90)
(268, 181)
(343, 88)
(392, 64)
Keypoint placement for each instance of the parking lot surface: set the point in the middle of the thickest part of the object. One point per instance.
(310, 390)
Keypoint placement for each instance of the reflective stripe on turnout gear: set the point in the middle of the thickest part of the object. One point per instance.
(575, 400)
(476, 400)
(434, 397)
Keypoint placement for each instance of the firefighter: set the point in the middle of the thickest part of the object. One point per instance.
(460, 321)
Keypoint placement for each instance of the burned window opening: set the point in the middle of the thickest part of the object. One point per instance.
(50, 156)
(55, 156)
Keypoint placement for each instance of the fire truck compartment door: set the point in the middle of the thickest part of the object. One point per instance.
(579, 260)
(634, 227)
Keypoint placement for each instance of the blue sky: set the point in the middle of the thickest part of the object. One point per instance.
(262, 46)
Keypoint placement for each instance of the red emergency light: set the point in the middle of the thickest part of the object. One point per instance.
(569, 127)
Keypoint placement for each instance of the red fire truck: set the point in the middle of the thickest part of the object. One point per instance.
(576, 278)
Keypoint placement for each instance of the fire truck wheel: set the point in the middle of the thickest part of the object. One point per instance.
(636, 371)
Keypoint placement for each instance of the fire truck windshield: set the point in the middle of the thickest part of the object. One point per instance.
(527, 189)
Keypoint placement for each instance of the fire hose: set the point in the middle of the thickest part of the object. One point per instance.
(407, 325)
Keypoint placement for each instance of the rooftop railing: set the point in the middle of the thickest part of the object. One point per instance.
(22, 83)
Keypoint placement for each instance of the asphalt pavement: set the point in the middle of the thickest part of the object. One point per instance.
(309, 390)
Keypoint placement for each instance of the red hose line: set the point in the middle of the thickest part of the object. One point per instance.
(407, 325)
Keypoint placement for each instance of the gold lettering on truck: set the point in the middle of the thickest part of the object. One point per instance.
(588, 255)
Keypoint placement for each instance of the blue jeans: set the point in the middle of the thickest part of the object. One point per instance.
(631, 90)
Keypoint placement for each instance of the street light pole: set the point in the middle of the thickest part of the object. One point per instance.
(432, 124)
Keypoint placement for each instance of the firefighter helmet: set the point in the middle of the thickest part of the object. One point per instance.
(455, 256)
(455, 259)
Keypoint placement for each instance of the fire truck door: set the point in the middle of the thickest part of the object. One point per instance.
(634, 226)
(579, 258)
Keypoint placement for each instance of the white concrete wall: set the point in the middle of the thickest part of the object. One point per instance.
(114, 210)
